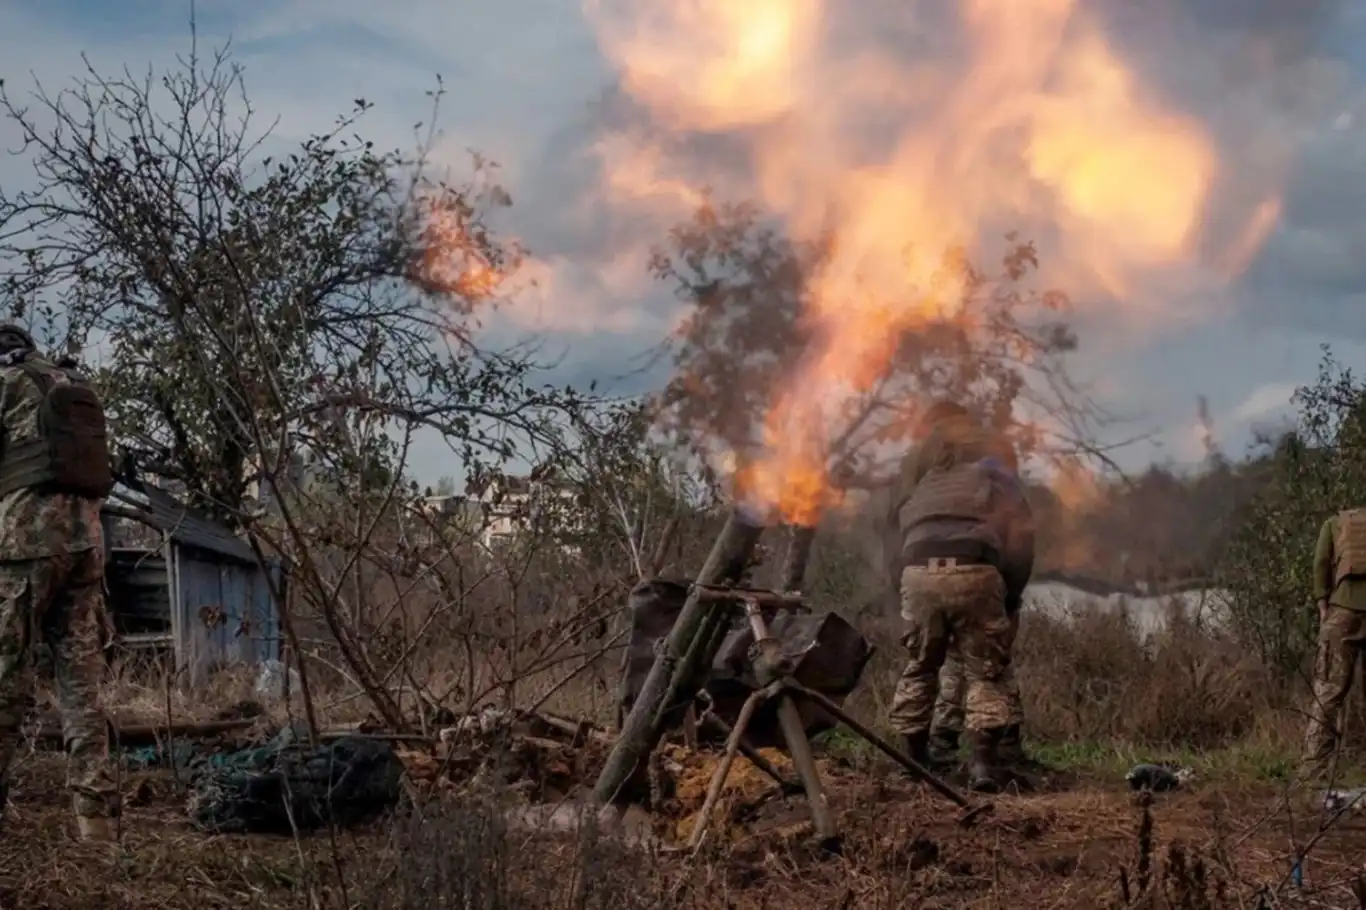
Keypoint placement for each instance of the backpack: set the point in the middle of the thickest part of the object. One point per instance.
(70, 455)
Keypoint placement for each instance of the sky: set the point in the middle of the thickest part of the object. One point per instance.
(1279, 87)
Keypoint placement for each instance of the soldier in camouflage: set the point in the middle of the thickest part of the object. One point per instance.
(967, 554)
(1340, 596)
(54, 473)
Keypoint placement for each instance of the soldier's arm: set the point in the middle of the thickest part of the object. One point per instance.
(912, 472)
(1323, 561)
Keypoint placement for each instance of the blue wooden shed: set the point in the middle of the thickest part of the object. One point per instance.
(185, 586)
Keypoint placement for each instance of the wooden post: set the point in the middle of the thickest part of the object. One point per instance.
(640, 731)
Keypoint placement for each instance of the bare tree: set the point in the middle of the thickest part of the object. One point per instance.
(260, 313)
(257, 308)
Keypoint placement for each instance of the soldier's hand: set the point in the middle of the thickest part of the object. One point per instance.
(1323, 609)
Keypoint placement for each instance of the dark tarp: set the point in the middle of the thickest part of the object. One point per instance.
(286, 786)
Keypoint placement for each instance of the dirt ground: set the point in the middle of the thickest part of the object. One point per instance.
(1080, 846)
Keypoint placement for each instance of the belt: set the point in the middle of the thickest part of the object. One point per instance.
(948, 554)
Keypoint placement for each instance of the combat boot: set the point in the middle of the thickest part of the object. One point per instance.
(1016, 764)
(984, 762)
(917, 747)
(944, 747)
(1013, 752)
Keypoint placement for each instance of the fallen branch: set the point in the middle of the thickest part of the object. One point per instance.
(144, 734)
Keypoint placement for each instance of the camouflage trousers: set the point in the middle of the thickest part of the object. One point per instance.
(962, 605)
(57, 601)
(950, 708)
(1342, 639)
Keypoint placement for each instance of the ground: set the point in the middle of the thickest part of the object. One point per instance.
(1231, 833)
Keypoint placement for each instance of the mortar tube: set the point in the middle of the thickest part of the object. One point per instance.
(729, 555)
(711, 631)
(798, 556)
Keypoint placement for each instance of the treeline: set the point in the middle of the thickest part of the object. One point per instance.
(1164, 527)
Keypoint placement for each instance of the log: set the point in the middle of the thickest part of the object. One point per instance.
(640, 733)
(144, 734)
(573, 728)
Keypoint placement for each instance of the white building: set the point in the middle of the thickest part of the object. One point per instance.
(507, 506)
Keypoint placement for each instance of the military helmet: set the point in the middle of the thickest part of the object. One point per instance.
(15, 338)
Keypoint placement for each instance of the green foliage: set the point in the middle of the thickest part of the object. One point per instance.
(1311, 473)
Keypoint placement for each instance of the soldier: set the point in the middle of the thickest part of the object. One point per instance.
(1340, 595)
(54, 473)
(967, 552)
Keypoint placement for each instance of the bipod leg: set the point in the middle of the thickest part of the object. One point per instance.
(756, 758)
(799, 747)
(938, 784)
(718, 778)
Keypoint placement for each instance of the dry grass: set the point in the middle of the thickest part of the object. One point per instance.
(1095, 697)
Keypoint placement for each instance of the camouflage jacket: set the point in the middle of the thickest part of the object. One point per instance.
(34, 525)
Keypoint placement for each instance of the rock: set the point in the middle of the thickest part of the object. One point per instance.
(1158, 778)
(1335, 801)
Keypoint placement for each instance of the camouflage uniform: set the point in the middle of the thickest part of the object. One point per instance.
(946, 727)
(962, 500)
(52, 592)
(962, 605)
(1340, 592)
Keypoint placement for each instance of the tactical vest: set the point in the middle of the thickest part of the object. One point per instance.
(1349, 544)
(962, 492)
(70, 454)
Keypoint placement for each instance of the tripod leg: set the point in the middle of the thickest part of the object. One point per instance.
(756, 758)
(799, 747)
(718, 778)
(883, 746)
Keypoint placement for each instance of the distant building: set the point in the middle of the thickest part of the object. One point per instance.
(506, 506)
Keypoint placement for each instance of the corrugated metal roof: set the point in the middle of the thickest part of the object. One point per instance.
(187, 526)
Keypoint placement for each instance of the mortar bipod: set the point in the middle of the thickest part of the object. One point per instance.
(775, 681)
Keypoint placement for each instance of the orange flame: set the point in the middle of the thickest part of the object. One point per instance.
(1045, 125)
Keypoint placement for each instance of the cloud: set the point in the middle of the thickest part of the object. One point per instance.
(1265, 401)
(1277, 86)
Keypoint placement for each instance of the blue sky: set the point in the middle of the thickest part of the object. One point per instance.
(524, 75)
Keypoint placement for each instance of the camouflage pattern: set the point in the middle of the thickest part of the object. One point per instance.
(34, 525)
(947, 604)
(949, 707)
(1342, 639)
(59, 601)
(52, 591)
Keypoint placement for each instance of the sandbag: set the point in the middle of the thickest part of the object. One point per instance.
(826, 652)
(286, 786)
